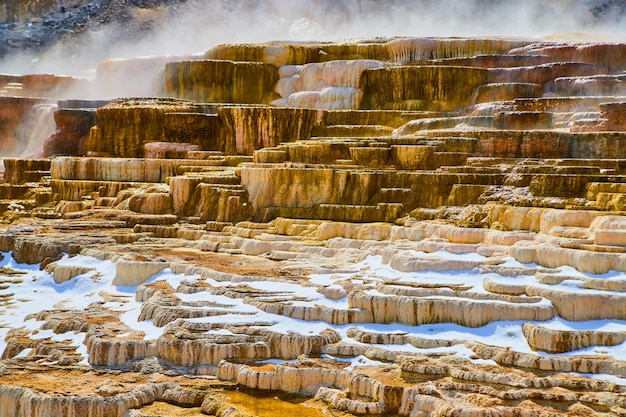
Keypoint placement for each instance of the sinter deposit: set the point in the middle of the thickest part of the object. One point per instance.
(403, 226)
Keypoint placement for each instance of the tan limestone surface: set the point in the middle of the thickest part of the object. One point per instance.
(428, 227)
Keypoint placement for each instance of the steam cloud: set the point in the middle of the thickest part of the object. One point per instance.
(194, 26)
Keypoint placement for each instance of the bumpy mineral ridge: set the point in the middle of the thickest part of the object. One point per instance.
(414, 227)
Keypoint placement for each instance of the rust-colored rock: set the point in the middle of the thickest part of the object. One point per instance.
(73, 127)
(615, 114)
(251, 128)
(125, 125)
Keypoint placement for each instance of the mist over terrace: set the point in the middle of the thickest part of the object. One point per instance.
(149, 28)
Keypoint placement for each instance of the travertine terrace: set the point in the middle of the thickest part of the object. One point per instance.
(403, 226)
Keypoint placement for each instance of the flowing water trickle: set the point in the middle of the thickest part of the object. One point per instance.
(34, 129)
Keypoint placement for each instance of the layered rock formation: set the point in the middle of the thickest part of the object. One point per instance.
(386, 227)
(215, 81)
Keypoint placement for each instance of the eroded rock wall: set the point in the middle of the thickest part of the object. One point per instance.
(251, 128)
(215, 81)
(421, 88)
(125, 125)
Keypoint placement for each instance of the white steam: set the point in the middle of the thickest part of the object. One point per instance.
(195, 26)
(34, 129)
